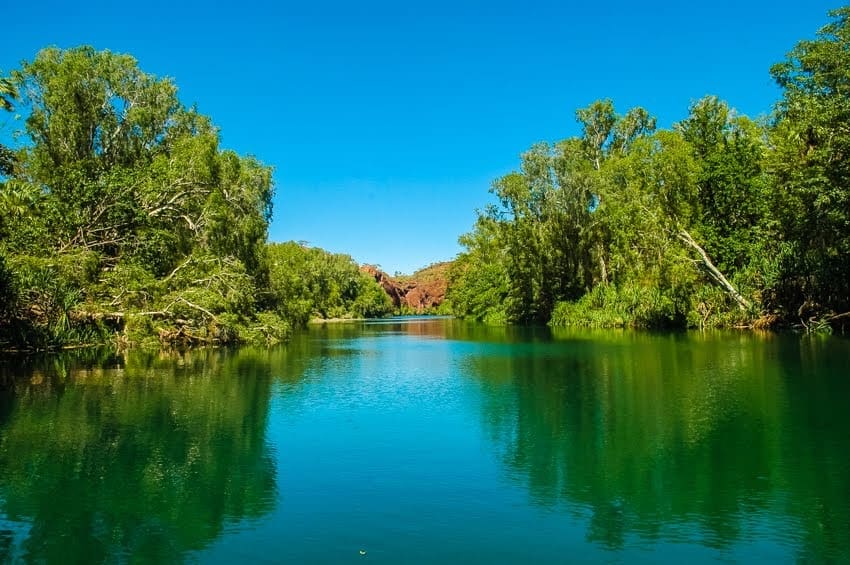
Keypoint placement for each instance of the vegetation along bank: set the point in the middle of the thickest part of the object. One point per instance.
(719, 221)
(123, 220)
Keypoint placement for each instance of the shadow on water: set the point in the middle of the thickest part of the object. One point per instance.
(712, 439)
(107, 457)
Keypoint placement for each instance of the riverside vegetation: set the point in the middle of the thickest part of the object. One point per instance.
(122, 218)
(719, 221)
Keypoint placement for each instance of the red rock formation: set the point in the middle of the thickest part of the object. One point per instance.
(390, 287)
(420, 292)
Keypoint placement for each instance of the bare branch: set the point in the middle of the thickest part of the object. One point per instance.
(198, 308)
(713, 272)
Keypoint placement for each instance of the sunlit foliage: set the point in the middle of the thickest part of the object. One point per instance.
(719, 221)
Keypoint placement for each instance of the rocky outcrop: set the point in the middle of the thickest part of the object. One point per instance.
(421, 292)
(387, 283)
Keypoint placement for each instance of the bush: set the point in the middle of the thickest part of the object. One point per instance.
(609, 306)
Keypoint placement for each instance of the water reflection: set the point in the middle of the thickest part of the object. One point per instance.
(438, 327)
(709, 439)
(432, 441)
(735, 442)
(104, 458)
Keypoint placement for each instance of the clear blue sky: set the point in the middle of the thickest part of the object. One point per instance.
(386, 121)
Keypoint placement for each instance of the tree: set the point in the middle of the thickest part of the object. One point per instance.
(733, 201)
(597, 121)
(114, 169)
(810, 167)
(478, 278)
(309, 282)
(96, 123)
(545, 241)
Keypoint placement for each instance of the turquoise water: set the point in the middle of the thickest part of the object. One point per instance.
(427, 441)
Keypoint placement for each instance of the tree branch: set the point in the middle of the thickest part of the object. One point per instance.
(714, 272)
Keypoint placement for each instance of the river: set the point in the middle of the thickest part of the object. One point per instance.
(432, 441)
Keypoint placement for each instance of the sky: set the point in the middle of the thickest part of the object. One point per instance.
(386, 121)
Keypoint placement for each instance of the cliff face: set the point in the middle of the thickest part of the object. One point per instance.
(392, 288)
(422, 291)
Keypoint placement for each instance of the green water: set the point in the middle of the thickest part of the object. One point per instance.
(433, 441)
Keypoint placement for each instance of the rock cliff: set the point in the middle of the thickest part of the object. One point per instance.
(423, 291)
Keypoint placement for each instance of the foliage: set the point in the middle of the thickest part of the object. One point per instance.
(613, 228)
(718, 221)
(121, 205)
(309, 282)
(588, 212)
(433, 273)
(121, 216)
(40, 311)
(8, 293)
(8, 95)
(609, 306)
(811, 172)
(478, 282)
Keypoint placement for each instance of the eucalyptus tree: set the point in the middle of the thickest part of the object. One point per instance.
(308, 282)
(478, 279)
(606, 137)
(720, 220)
(597, 121)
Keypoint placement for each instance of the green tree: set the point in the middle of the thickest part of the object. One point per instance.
(310, 282)
(733, 200)
(478, 278)
(550, 236)
(811, 170)
(115, 168)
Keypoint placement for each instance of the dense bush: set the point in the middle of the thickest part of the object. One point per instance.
(310, 282)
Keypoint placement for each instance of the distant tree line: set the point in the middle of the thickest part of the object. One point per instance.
(719, 221)
(121, 218)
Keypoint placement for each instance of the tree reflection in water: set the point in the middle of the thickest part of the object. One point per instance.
(147, 456)
(706, 438)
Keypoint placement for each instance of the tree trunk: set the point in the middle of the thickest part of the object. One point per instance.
(603, 269)
(714, 272)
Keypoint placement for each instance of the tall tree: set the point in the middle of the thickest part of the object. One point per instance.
(733, 205)
(548, 227)
(597, 122)
(811, 168)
